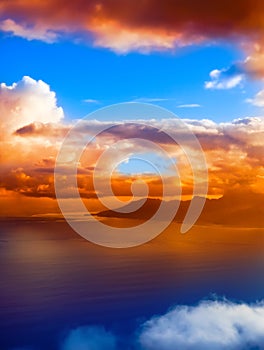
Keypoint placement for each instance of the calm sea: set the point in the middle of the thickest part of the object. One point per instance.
(52, 280)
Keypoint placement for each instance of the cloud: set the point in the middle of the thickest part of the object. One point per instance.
(89, 338)
(28, 182)
(30, 33)
(25, 102)
(190, 105)
(225, 78)
(211, 325)
(253, 64)
(234, 151)
(122, 41)
(257, 100)
(38, 129)
(30, 124)
(124, 26)
(32, 130)
(90, 100)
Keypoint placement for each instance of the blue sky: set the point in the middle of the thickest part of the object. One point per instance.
(77, 71)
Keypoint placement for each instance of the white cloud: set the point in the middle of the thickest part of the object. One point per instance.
(248, 131)
(212, 325)
(190, 105)
(224, 79)
(25, 102)
(257, 100)
(30, 33)
(241, 130)
(89, 338)
(91, 100)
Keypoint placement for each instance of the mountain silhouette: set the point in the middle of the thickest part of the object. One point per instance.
(243, 210)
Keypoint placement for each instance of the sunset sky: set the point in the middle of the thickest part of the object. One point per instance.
(60, 61)
(132, 174)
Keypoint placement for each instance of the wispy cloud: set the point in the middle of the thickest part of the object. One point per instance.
(225, 79)
(36, 32)
(189, 105)
(90, 100)
(257, 100)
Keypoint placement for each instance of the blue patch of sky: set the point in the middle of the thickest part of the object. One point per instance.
(78, 72)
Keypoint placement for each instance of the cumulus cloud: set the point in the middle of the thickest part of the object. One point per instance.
(211, 325)
(25, 102)
(29, 108)
(89, 338)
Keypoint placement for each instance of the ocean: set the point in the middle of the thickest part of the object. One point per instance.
(53, 281)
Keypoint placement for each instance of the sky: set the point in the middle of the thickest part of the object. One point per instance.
(98, 77)
(202, 61)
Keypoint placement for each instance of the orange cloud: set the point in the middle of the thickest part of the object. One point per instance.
(32, 135)
(234, 153)
(124, 25)
(26, 102)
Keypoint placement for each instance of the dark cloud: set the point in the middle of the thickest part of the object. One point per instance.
(218, 18)
(124, 25)
(42, 129)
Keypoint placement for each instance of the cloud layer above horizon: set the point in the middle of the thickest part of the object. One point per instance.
(32, 130)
